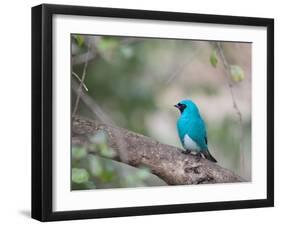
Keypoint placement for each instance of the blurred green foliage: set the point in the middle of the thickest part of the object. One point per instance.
(79, 176)
(225, 136)
(214, 58)
(98, 170)
(128, 79)
(237, 73)
(79, 40)
(115, 79)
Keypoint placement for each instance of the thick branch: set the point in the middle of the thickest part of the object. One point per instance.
(165, 161)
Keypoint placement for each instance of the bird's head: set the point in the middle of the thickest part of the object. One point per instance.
(187, 106)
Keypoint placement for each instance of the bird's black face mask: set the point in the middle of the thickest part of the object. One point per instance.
(180, 106)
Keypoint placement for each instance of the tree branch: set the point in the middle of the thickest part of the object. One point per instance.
(165, 161)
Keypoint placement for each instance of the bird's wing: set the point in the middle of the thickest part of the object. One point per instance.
(197, 132)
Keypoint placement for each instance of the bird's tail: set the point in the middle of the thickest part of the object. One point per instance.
(208, 156)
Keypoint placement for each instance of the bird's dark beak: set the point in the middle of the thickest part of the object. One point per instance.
(177, 106)
(180, 106)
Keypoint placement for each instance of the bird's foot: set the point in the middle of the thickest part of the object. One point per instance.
(198, 157)
(186, 151)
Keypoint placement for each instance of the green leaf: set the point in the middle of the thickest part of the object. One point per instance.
(80, 40)
(99, 138)
(95, 165)
(79, 175)
(107, 44)
(143, 173)
(109, 171)
(107, 176)
(131, 181)
(237, 73)
(127, 51)
(90, 185)
(214, 58)
(107, 152)
(78, 152)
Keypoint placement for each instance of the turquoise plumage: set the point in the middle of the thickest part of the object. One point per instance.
(192, 130)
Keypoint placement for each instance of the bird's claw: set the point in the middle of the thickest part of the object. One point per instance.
(198, 157)
(186, 151)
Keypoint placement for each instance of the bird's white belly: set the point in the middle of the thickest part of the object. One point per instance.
(190, 144)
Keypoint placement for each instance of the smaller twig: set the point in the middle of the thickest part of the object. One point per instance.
(235, 106)
(227, 69)
(82, 58)
(103, 117)
(179, 70)
(87, 56)
(84, 85)
(91, 104)
(80, 86)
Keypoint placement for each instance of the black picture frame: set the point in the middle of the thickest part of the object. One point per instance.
(42, 108)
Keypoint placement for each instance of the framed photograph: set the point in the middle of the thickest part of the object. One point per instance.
(145, 112)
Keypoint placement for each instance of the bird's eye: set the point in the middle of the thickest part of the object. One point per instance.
(183, 106)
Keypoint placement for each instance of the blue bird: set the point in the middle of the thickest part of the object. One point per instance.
(192, 130)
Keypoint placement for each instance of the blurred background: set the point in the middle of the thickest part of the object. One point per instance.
(136, 81)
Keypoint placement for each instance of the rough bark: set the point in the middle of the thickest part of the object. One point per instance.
(165, 161)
